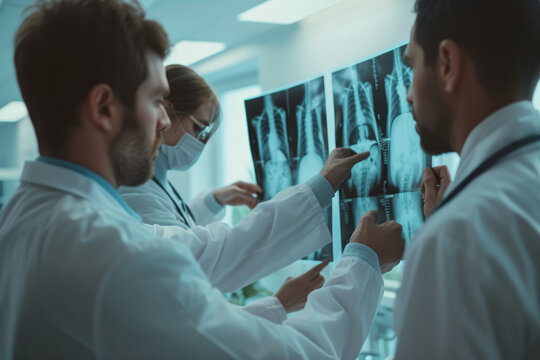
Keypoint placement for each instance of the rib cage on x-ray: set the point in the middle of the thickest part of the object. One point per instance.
(372, 113)
(406, 157)
(287, 130)
(271, 129)
(360, 132)
(311, 146)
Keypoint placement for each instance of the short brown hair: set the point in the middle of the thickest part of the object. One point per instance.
(188, 91)
(501, 36)
(65, 47)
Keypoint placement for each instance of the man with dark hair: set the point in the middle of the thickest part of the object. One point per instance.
(82, 278)
(470, 287)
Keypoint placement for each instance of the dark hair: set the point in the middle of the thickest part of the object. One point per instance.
(65, 47)
(501, 36)
(188, 91)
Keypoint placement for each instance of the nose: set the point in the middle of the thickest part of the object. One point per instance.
(164, 122)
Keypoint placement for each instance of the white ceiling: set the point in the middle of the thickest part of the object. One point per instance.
(211, 20)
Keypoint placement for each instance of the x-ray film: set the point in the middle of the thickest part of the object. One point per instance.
(288, 140)
(372, 114)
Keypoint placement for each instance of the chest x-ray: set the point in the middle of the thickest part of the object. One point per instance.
(288, 139)
(372, 114)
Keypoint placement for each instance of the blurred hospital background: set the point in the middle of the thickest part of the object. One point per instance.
(243, 48)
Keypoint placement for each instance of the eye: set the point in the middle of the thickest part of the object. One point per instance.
(196, 128)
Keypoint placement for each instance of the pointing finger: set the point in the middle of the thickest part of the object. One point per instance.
(356, 158)
(314, 271)
(253, 188)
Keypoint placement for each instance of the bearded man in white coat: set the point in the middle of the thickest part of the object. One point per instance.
(82, 278)
(471, 284)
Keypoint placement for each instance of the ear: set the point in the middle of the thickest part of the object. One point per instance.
(103, 107)
(449, 65)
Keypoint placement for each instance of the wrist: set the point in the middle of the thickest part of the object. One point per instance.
(218, 197)
(328, 178)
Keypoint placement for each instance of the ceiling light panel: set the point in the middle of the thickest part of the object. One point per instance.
(285, 11)
(190, 52)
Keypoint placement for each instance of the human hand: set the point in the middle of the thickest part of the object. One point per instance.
(384, 239)
(339, 164)
(434, 184)
(294, 291)
(239, 193)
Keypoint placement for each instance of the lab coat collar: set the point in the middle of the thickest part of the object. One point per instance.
(506, 125)
(75, 179)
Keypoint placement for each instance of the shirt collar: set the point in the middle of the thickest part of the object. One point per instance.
(75, 186)
(506, 125)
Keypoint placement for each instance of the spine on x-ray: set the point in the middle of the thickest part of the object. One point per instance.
(360, 132)
(271, 129)
(406, 157)
(311, 150)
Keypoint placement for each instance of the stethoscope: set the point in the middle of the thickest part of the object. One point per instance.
(184, 209)
(488, 163)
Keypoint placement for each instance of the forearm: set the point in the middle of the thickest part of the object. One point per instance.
(171, 308)
(274, 234)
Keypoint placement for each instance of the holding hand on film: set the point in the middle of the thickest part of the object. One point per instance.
(384, 239)
(339, 164)
(434, 184)
(239, 193)
(295, 290)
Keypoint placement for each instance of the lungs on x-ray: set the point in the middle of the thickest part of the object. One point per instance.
(288, 140)
(406, 156)
(360, 133)
(311, 145)
(271, 129)
(370, 101)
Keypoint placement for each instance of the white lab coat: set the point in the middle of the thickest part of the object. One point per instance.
(471, 284)
(156, 207)
(80, 278)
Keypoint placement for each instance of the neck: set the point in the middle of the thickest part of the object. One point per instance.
(88, 153)
(473, 111)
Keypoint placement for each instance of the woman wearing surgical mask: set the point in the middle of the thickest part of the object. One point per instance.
(194, 111)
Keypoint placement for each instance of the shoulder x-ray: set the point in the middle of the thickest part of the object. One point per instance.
(288, 139)
(372, 114)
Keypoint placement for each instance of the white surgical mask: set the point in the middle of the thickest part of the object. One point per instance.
(184, 154)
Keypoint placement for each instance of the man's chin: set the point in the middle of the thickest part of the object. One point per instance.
(431, 147)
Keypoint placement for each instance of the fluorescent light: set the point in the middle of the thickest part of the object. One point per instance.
(285, 11)
(189, 52)
(13, 111)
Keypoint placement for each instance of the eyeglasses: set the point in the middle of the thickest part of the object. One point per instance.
(203, 130)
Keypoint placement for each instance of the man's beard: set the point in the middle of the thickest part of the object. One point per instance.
(131, 153)
(435, 141)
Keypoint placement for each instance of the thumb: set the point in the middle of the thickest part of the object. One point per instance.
(369, 217)
(429, 181)
(444, 176)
